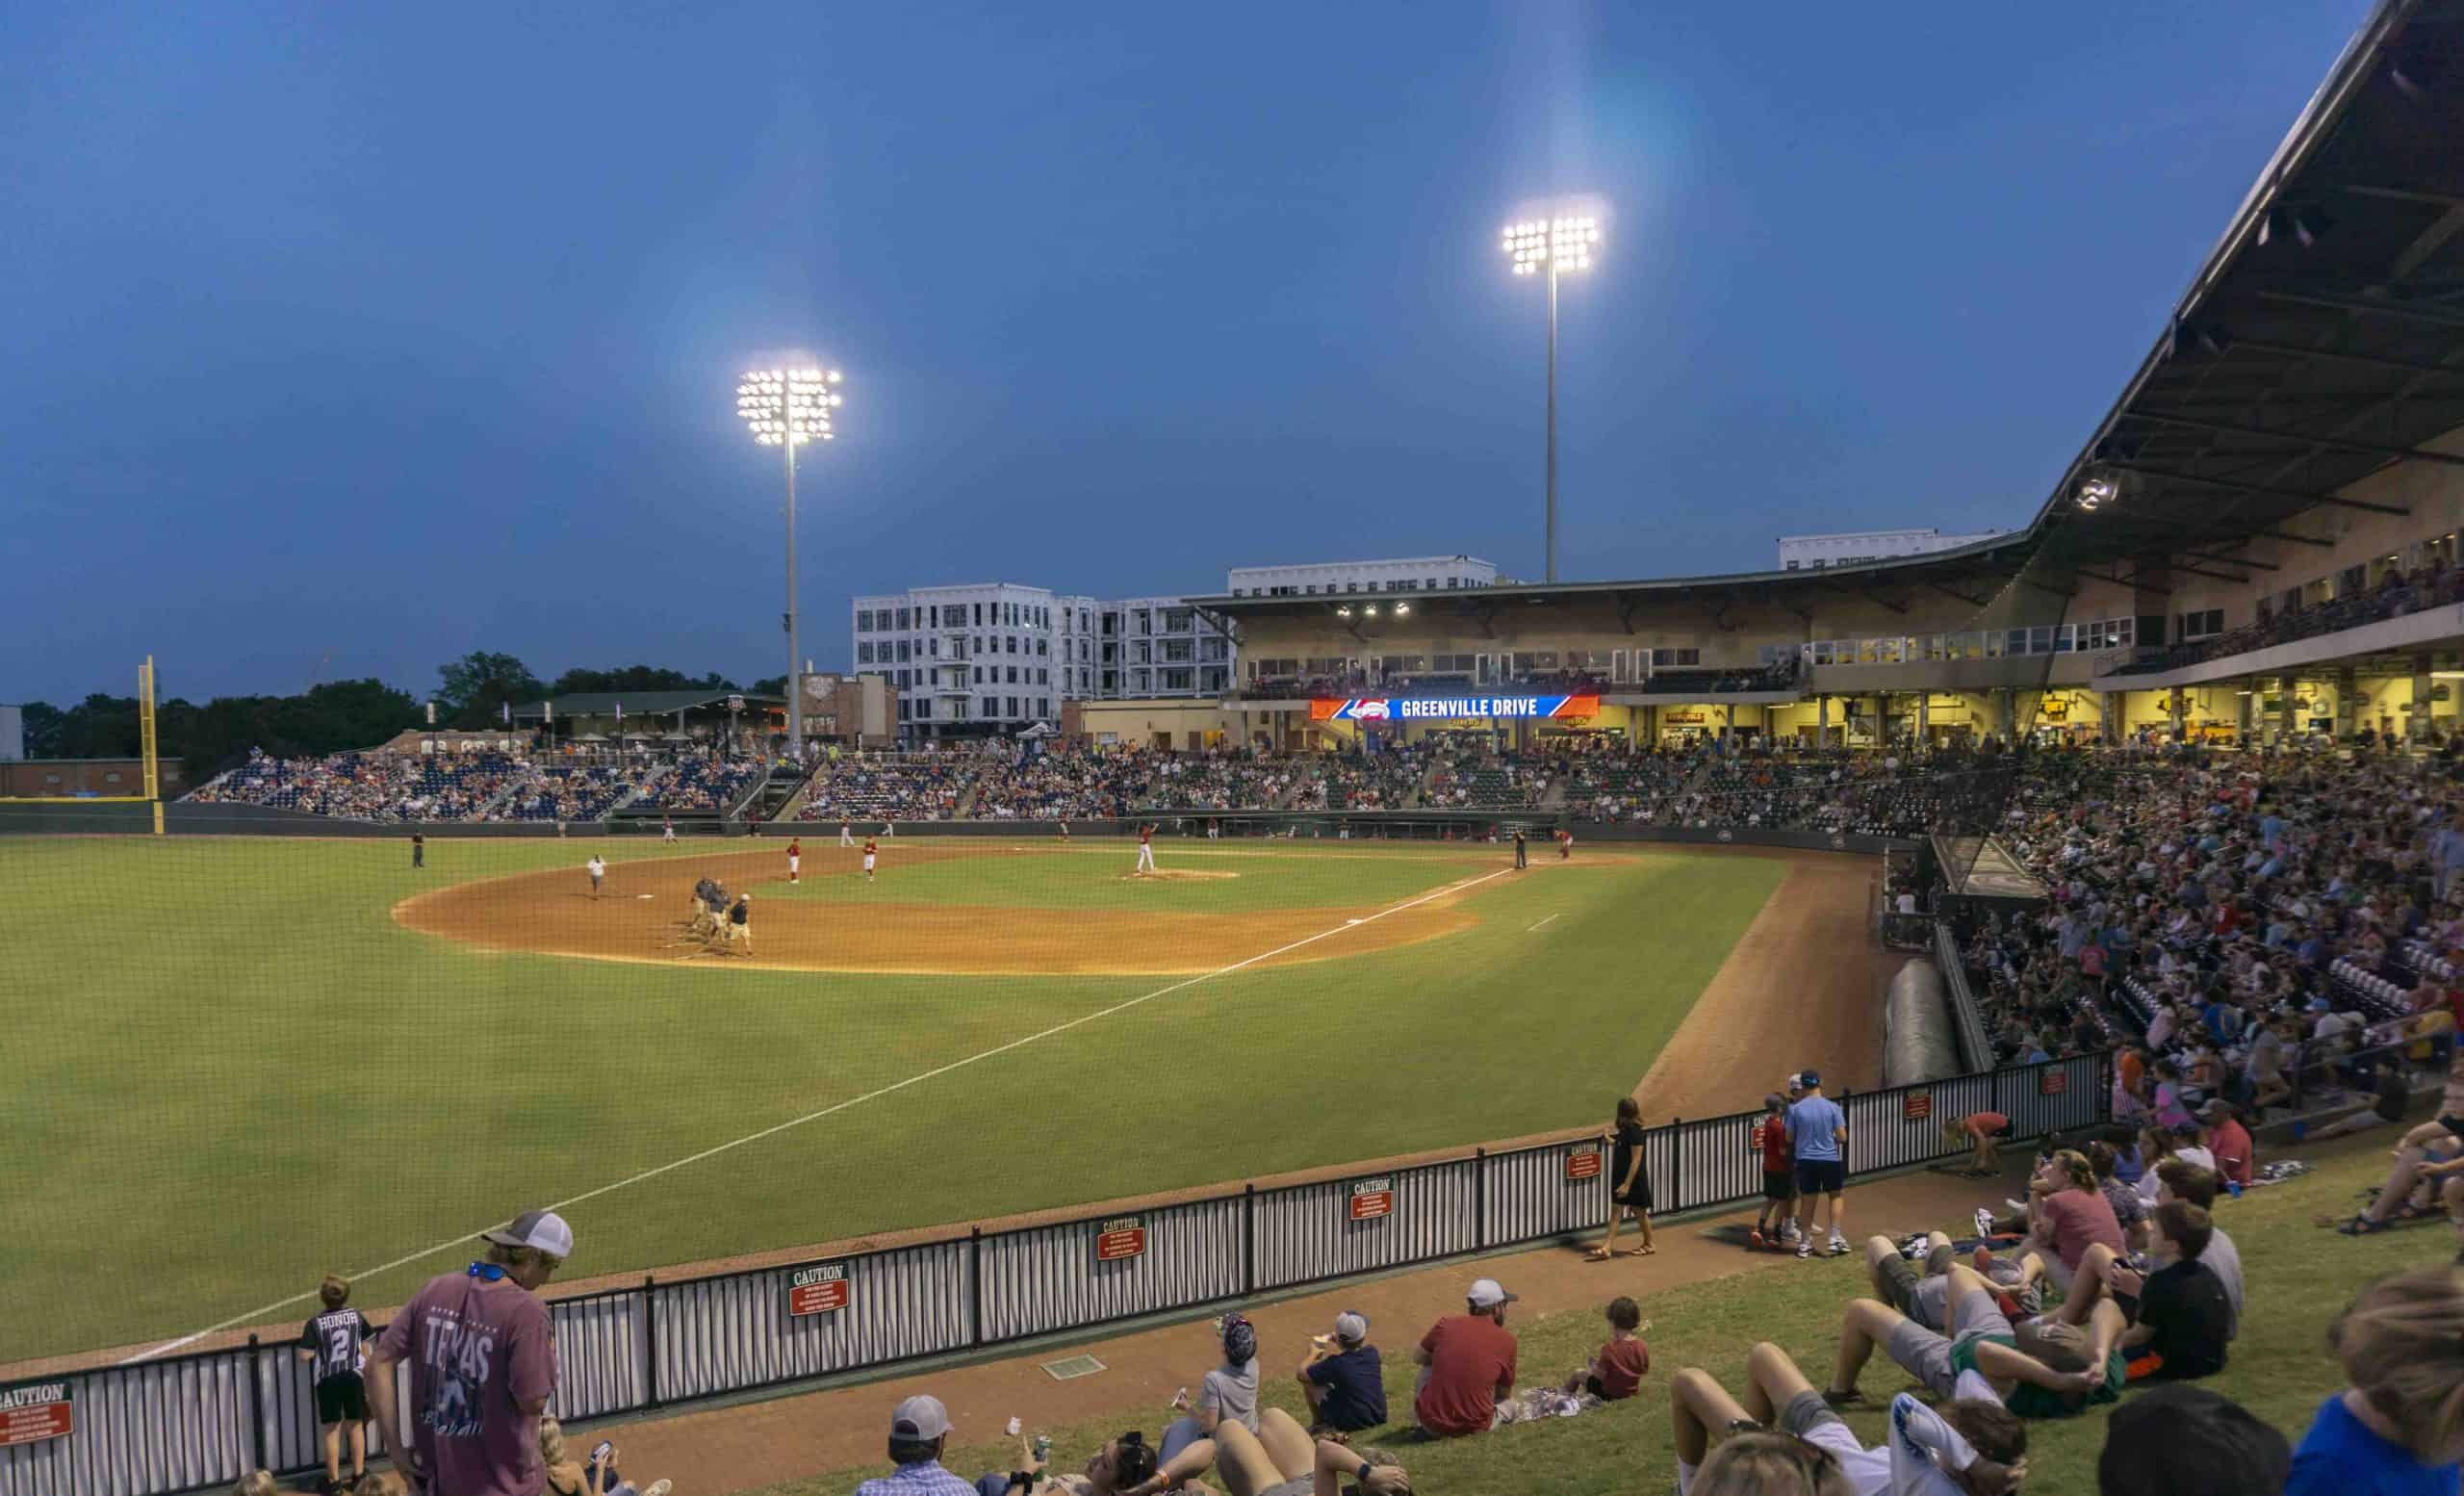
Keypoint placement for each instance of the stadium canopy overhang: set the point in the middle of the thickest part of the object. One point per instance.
(2321, 341)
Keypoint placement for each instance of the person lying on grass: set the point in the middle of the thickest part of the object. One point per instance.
(1972, 1447)
(1281, 1459)
(1125, 1466)
(1924, 1296)
(2049, 1370)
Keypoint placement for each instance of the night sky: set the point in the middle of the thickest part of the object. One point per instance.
(343, 339)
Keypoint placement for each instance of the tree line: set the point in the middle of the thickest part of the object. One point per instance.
(332, 717)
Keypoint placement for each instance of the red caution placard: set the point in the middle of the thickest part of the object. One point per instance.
(1916, 1106)
(2052, 1083)
(1120, 1238)
(33, 1411)
(1371, 1200)
(1583, 1163)
(818, 1289)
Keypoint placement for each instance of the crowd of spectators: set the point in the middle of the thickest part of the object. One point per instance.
(923, 787)
(481, 786)
(699, 783)
(2397, 592)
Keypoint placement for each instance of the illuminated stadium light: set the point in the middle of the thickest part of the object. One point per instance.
(785, 408)
(1559, 244)
(1403, 608)
(2097, 492)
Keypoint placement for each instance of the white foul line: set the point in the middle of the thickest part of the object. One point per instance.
(1527, 931)
(256, 1315)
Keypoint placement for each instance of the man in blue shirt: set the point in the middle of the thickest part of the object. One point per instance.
(1342, 1380)
(918, 1432)
(1816, 1130)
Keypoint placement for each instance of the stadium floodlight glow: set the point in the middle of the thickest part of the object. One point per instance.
(2097, 492)
(1560, 244)
(1401, 609)
(786, 408)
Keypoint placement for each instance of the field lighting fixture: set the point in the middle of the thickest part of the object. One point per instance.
(1403, 609)
(1553, 246)
(785, 408)
(2097, 492)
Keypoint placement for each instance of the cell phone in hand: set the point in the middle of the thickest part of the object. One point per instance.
(598, 1454)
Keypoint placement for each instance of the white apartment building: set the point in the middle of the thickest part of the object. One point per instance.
(978, 660)
(1813, 552)
(968, 660)
(1412, 574)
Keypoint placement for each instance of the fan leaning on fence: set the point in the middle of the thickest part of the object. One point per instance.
(483, 1366)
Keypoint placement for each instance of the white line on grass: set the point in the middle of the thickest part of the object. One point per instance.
(254, 1315)
(1530, 929)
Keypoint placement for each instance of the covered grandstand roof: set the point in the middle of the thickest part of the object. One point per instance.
(640, 704)
(2322, 340)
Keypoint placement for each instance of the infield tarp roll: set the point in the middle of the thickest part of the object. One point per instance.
(1919, 1039)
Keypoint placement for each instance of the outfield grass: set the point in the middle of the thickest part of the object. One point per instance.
(2298, 1278)
(1230, 879)
(230, 1072)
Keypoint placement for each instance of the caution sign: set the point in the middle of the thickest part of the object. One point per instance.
(1916, 1106)
(1583, 1163)
(33, 1411)
(1371, 1200)
(818, 1289)
(1120, 1238)
(2052, 1082)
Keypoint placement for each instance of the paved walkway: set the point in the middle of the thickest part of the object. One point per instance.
(755, 1444)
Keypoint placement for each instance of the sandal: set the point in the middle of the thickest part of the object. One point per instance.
(1598, 1254)
(1644, 1251)
(2361, 1225)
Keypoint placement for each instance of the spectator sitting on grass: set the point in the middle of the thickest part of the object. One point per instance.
(1618, 1367)
(1974, 1446)
(566, 1475)
(2196, 1186)
(919, 1428)
(2399, 1425)
(2056, 1375)
(2428, 1154)
(1343, 1378)
(2160, 1144)
(1227, 1393)
(2188, 1441)
(2180, 1315)
(2130, 1212)
(2228, 1141)
(2067, 1214)
(1467, 1364)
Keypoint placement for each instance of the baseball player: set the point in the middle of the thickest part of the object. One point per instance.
(1146, 849)
(667, 830)
(597, 873)
(872, 849)
(336, 1343)
(1522, 855)
(740, 924)
(890, 828)
(1065, 832)
(1565, 845)
(1214, 829)
(701, 924)
(419, 850)
(846, 834)
(795, 859)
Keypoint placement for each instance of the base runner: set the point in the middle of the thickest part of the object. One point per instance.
(1146, 849)
(795, 859)
(872, 849)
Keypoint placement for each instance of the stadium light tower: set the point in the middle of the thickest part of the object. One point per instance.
(785, 408)
(1553, 246)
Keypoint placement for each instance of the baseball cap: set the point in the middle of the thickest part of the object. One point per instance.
(1793, 1083)
(1351, 1325)
(919, 1418)
(2189, 1441)
(543, 1229)
(1809, 1078)
(2218, 1107)
(1485, 1294)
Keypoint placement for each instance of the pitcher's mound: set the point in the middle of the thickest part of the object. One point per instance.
(1180, 874)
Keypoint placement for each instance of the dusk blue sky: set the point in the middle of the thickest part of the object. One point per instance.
(344, 338)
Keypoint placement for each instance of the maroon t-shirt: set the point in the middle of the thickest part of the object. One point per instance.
(476, 1349)
(1471, 1362)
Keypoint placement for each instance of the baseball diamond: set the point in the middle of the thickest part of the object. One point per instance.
(1319, 995)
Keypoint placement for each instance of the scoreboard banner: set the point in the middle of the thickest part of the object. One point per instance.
(1446, 708)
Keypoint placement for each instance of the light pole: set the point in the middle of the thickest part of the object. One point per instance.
(1551, 245)
(785, 408)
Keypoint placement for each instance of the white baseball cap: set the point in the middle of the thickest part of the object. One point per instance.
(919, 1418)
(543, 1229)
(1485, 1294)
(1350, 1324)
